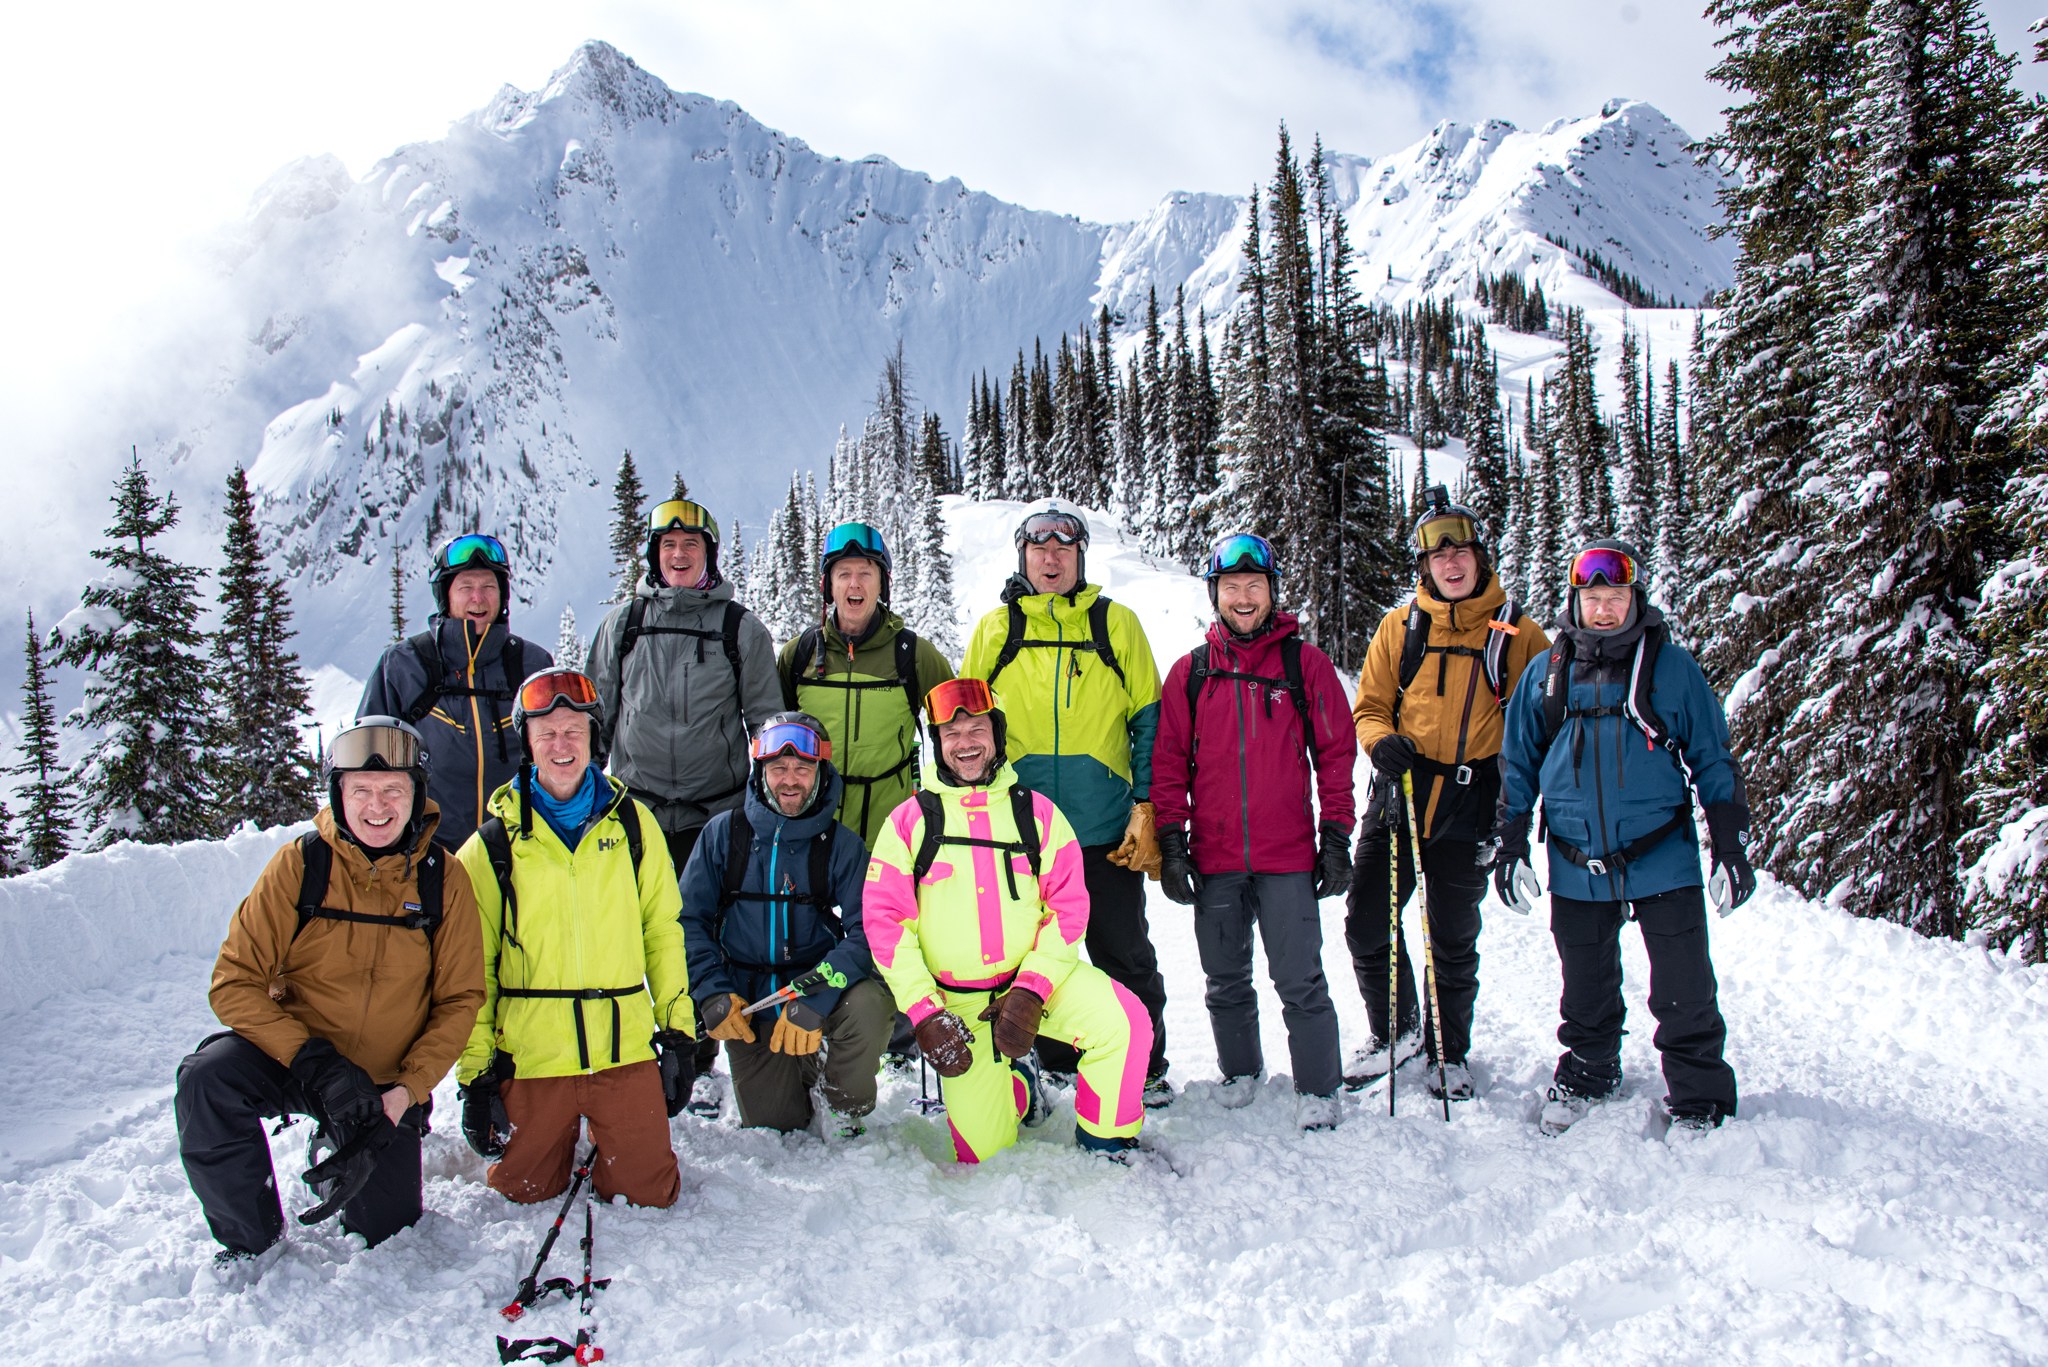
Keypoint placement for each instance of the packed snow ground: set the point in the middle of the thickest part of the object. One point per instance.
(1882, 1196)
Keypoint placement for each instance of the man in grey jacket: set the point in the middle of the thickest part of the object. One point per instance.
(682, 669)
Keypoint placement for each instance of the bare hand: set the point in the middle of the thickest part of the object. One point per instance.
(397, 1101)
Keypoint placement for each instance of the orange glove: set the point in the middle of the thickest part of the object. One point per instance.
(725, 1018)
(798, 1031)
(1140, 848)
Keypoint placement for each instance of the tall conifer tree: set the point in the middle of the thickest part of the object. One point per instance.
(47, 822)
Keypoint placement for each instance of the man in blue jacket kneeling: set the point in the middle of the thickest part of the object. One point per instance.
(1605, 736)
(772, 907)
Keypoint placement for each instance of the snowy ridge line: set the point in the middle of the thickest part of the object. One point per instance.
(87, 920)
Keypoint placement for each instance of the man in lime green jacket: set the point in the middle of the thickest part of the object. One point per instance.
(1081, 690)
(863, 674)
(584, 973)
(975, 907)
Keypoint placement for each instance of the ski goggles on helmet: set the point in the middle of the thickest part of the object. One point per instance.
(779, 738)
(469, 550)
(682, 515)
(1446, 529)
(855, 538)
(954, 696)
(384, 743)
(553, 688)
(1241, 554)
(1603, 564)
(1064, 528)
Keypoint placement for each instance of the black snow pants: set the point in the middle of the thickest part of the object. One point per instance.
(1683, 998)
(1120, 944)
(1455, 885)
(227, 1088)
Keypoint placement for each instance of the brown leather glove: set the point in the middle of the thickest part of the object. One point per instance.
(943, 1040)
(1016, 1014)
(725, 1018)
(1140, 848)
(798, 1031)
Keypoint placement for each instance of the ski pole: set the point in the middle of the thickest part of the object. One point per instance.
(1436, 1014)
(824, 975)
(1393, 952)
(587, 1350)
(530, 1289)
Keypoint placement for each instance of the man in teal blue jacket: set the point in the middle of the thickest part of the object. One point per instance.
(1605, 734)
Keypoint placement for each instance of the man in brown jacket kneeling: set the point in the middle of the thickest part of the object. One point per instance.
(349, 980)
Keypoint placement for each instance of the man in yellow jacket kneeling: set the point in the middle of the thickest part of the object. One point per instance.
(976, 907)
(587, 1012)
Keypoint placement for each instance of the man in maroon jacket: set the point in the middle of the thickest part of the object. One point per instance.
(1237, 833)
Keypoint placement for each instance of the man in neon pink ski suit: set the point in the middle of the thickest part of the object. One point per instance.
(985, 955)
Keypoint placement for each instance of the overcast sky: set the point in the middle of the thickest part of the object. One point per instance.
(135, 127)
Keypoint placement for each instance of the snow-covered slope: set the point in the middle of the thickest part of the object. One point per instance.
(469, 333)
(1880, 1197)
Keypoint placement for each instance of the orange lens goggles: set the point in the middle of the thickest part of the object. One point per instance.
(554, 688)
(954, 696)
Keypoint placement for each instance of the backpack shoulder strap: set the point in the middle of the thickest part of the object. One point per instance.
(629, 817)
(512, 659)
(1013, 641)
(498, 846)
(319, 861)
(934, 813)
(1414, 643)
(822, 900)
(807, 647)
(1497, 638)
(1198, 678)
(729, 636)
(1098, 636)
(1642, 678)
(1022, 812)
(739, 847)
(427, 646)
(1297, 689)
(432, 874)
(635, 627)
(906, 670)
(1557, 687)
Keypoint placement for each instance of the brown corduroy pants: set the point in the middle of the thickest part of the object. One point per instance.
(628, 1123)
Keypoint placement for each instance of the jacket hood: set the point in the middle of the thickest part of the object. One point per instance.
(506, 802)
(823, 809)
(1609, 645)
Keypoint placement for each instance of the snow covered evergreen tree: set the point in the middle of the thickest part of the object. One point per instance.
(258, 767)
(136, 632)
(1636, 512)
(1674, 501)
(629, 529)
(399, 628)
(569, 648)
(47, 821)
(1875, 817)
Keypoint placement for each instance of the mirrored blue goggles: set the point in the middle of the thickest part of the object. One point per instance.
(1064, 528)
(857, 536)
(467, 550)
(1242, 553)
(791, 738)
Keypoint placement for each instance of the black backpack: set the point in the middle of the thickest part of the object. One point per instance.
(728, 635)
(1028, 842)
(809, 644)
(1493, 658)
(319, 860)
(1098, 641)
(1635, 706)
(498, 845)
(739, 847)
(427, 645)
(1199, 675)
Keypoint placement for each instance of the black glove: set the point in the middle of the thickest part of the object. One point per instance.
(343, 1092)
(1333, 862)
(1508, 848)
(675, 1053)
(1177, 876)
(1728, 831)
(1394, 756)
(485, 1127)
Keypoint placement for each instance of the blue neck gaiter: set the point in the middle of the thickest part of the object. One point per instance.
(570, 816)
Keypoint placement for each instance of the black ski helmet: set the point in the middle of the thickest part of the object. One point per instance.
(376, 744)
(1440, 522)
(547, 689)
(472, 551)
(948, 700)
(853, 540)
(1242, 553)
(1620, 567)
(681, 515)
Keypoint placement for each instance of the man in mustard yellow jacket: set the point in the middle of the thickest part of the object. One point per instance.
(584, 976)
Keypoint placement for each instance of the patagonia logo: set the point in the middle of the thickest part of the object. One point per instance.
(608, 842)
(411, 906)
